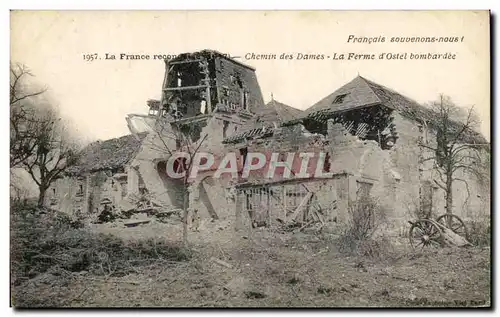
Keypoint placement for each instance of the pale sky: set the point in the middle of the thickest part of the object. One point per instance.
(98, 95)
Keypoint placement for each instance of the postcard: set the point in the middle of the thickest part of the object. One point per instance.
(335, 159)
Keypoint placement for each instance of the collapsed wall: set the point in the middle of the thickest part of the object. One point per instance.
(356, 168)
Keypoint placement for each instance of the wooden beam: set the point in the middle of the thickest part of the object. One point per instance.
(268, 206)
(237, 209)
(135, 223)
(186, 61)
(289, 181)
(192, 119)
(302, 206)
(186, 88)
(219, 100)
(284, 203)
(208, 98)
(168, 69)
(220, 262)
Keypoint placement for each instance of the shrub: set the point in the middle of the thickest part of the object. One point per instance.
(366, 215)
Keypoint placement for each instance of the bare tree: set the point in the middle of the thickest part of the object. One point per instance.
(458, 146)
(39, 141)
(188, 139)
(23, 114)
(54, 151)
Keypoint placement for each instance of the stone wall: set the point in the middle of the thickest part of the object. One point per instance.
(417, 173)
(233, 80)
(83, 196)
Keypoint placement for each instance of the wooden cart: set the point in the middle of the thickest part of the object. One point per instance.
(428, 232)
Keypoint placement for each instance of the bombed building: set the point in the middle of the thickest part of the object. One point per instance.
(371, 138)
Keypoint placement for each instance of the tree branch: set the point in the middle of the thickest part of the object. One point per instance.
(468, 191)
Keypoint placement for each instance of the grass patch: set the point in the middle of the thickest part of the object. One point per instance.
(479, 233)
(45, 241)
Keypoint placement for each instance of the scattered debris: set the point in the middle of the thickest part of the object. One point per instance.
(220, 262)
(360, 266)
(451, 238)
(255, 294)
(237, 284)
(135, 223)
(325, 290)
(107, 214)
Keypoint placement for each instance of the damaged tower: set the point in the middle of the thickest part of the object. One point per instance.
(204, 82)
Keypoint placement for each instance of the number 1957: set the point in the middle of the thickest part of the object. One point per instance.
(89, 57)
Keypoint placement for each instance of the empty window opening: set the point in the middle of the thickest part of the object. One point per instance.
(327, 165)
(362, 212)
(124, 188)
(203, 106)
(242, 98)
(179, 80)
(239, 82)
(142, 186)
(339, 99)
(363, 190)
(243, 153)
(162, 168)
(245, 100)
(225, 125)
(80, 190)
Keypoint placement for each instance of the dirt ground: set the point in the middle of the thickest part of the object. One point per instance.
(266, 268)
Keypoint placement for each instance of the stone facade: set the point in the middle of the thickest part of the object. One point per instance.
(104, 176)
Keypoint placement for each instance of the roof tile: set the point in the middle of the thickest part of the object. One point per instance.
(108, 154)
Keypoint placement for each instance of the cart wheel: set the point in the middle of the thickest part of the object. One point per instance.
(424, 233)
(454, 223)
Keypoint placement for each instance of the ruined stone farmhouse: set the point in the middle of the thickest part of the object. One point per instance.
(371, 135)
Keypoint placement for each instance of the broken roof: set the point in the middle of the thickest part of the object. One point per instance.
(258, 132)
(355, 94)
(210, 54)
(108, 154)
(273, 113)
(361, 92)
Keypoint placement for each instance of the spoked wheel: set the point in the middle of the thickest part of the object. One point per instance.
(424, 233)
(454, 223)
